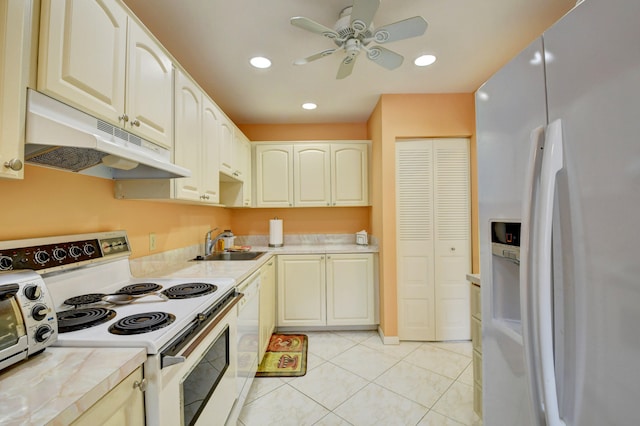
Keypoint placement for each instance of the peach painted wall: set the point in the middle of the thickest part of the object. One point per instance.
(411, 116)
(321, 220)
(334, 220)
(50, 202)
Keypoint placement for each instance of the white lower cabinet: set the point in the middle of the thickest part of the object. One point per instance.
(350, 289)
(123, 405)
(326, 290)
(267, 316)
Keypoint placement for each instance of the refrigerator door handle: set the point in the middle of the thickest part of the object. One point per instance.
(552, 163)
(528, 296)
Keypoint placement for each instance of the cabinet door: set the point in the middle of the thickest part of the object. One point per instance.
(267, 305)
(226, 146)
(15, 21)
(82, 55)
(312, 175)
(274, 175)
(209, 164)
(350, 289)
(123, 405)
(301, 290)
(188, 150)
(246, 173)
(149, 88)
(349, 174)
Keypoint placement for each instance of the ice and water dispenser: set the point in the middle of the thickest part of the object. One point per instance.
(505, 261)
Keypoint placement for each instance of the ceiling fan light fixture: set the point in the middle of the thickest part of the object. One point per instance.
(260, 62)
(424, 60)
(309, 106)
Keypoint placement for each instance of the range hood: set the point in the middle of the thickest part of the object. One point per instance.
(63, 137)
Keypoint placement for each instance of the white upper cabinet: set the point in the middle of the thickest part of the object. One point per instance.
(349, 174)
(93, 55)
(274, 175)
(149, 87)
(226, 147)
(209, 175)
(15, 66)
(197, 121)
(312, 174)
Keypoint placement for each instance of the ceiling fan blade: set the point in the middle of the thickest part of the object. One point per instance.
(362, 14)
(407, 28)
(313, 26)
(385, 57)
(314, 57)
(346, 67)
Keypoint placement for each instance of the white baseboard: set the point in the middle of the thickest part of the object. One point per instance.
(388, 340)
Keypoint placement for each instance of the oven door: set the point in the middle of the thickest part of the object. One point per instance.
(202, 389)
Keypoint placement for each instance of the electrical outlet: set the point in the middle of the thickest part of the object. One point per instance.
(152, 241)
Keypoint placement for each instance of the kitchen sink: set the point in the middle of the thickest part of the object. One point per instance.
(233, 255)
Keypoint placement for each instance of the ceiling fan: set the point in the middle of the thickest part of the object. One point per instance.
(354, 32)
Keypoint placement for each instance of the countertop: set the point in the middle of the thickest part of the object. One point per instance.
(177, 264)
(474, 278)
(58, 385)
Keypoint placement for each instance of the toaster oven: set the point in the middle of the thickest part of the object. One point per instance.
(28, 322)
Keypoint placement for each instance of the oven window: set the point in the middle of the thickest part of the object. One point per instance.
(201, 382)
(11, 324)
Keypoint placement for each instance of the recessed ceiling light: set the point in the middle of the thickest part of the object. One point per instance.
(309, 105)
(260, 62)
(424, 60)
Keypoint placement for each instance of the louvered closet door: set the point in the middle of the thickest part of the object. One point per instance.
(433, 230)
(452, 226)
(414, 210)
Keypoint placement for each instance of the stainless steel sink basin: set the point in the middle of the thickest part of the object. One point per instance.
(234, 255)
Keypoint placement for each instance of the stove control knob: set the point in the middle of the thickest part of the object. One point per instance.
(42, 257)
(5, 263)
(43, 333)
(89, 249)
(39, 312)
(59, 253)
(33, 292)
(75, 251)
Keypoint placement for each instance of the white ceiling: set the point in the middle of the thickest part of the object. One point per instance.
(214, 39)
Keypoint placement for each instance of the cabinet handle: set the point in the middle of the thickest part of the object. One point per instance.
(135, 123)
(14, 164)
(328, 204)
(142, 385)
(123, 117)
(270, 263)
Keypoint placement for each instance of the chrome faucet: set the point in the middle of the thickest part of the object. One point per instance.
(209, 244)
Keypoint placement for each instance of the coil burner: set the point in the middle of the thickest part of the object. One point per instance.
(189, 290)
(78, 319)
(141, 323)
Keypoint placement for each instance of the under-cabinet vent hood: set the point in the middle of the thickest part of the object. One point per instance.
(63, 137)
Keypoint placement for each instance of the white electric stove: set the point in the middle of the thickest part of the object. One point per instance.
(186, 325)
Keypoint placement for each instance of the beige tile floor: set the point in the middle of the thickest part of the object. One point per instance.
(353, 379)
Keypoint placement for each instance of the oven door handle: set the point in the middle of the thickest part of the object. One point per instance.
(169, 360)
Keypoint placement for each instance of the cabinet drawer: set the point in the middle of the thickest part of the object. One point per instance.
(477, 367)
(476, 304)
(476, 334)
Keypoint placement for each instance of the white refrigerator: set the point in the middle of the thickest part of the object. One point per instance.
(558, 143)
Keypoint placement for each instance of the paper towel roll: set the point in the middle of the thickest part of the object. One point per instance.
(275, 233)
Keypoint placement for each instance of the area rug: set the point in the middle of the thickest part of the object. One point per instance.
(286, 356)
